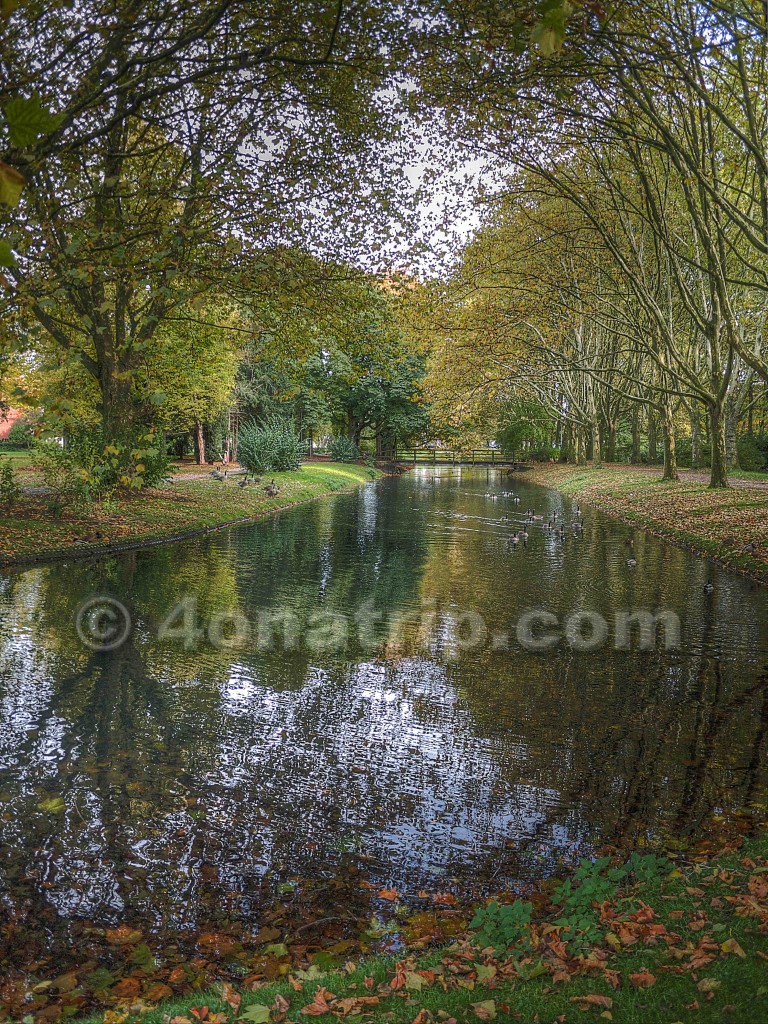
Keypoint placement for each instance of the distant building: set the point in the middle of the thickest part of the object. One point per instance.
(7, 420)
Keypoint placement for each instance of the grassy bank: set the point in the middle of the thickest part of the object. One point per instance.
(638, 942)
(716, 524)
(29, 530)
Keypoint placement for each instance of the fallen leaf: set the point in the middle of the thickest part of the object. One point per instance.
(157, 992)
(708, 985)
(256, 1014)
(319, 1004)
(230, 997)
(732, 946)
(414, 982)
(485, 1010)
(122, 936)
(128, 988)
(642, 979)
(593, 1000)
(485, 973)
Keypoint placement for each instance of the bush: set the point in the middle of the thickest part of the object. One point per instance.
(343, 449)
(503, 925)
(21, 434)
(751, 458)
(272, 446)
(544, 454)
(91, 466)
(10, 490)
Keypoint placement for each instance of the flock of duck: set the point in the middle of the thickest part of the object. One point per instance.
(271, 490)
(556, 525)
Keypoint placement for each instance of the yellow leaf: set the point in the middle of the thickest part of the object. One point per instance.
(732, 946)
(11, 185)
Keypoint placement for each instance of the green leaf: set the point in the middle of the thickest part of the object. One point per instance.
(54, 805)
(277, 949)
(28, 119)
(6, 254)
(257, 1013)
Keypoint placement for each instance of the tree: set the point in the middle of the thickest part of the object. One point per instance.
(164, 118)
(189, 376)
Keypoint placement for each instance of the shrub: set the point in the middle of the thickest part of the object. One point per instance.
(272, 445)
(91, 466)
(21, 434)
(10, 490)
(343, 449)
(544, 454)
(751, 458)
(503, 925)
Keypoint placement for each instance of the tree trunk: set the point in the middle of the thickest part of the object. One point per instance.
(566, 444)
(597, 451)
(610, 448)
(670, 455)
(719, 474)
(693, 414)
(580, 449)
(118, 410)
(636, 445)
(731, 444)
(199, 443)
(653, 437)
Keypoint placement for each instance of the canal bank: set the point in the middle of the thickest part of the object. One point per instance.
(31, 532)
(727, 526)
(641, 940)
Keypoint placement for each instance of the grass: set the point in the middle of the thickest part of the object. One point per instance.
(717, 524)
(688, 943)
(29, 529)
(22, 457)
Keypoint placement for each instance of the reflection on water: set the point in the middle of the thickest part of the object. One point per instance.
(166, 783)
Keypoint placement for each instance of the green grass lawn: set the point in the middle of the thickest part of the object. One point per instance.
(30, 528)
(20, 457)
(679, 943)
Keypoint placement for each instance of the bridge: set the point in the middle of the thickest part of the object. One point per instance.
(447, 457)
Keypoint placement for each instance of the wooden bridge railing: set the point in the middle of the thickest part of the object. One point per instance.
(437, 456)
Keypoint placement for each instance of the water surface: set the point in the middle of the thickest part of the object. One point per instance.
(174, 780)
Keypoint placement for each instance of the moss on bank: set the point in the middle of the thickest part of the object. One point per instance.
(29, 531)
(729, 526)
